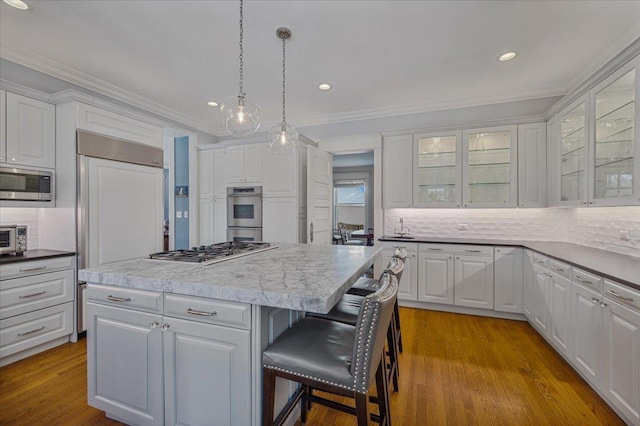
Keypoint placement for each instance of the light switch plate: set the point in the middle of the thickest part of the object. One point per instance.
(178, 214)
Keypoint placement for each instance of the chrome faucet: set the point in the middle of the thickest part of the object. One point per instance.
(402, 231)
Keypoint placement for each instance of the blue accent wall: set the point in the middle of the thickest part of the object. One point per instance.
(181, 192)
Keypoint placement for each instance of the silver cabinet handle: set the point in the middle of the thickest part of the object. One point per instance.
(165, 326)
(39, 268)
(603, 304)
(201, 313)
(595, 300)
(577, 277)
(154, 324)
(556, 268)
(26, 296)
(434, 249)
(118, 299)
(31, 332)
(614, 294)
(547, 275)
(538, 260)
(473, 251)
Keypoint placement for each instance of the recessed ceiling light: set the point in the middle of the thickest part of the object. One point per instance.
(212, 103)
(18, 4)
(507, 56)
(324, 87)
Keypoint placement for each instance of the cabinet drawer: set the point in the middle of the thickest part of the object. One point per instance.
(213, 311)
(35, 328)
(33, 267)
(539, 259)
(560, 268)
(142, 300)
(465, 249)
(21, 295)
(587, 279)
(393, 244)
(621, 294)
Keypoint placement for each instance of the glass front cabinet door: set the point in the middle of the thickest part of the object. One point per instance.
(437, 165)
(573, 154)
(616, 147)
(489, 176)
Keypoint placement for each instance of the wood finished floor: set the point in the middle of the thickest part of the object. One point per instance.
(455, 370)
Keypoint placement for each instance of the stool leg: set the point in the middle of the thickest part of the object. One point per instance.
(268, 395)
(382, 388)
(303, 405)
(393, 355)
(396, 315)
(362, 408)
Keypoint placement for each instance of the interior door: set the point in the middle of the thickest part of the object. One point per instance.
(319, 196)
(124, 211)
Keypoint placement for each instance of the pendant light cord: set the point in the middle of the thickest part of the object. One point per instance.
(284, 117)
(241, 49)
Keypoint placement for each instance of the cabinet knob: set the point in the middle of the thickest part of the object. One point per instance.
(165, 326)
(154, 324)
(603, 304)
(14, 159)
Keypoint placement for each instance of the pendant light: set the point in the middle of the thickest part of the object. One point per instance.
(241, 116)
(283, 137)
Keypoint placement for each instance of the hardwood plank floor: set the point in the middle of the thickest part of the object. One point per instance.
(455, 370)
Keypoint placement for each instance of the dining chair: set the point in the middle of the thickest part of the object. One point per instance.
(334, 357)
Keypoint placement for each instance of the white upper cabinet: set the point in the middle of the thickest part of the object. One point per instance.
(490, 175)
(280, 174)
(245, 164)
(30, 132)
(205, 173)
(437, 176)
(398, 172)
(109, 123)
(220, 173)
(532, 165)
(616, 150)
(599, 150)
(573, 153)
(552, 163)
(3, 126)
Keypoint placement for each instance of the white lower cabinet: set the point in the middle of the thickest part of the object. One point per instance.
(529, 278)
(436, 278)
(586, 318)
(147, 368)
(206, 374)
(279, 216)
(621, 370)
(460, 275)
(124, 364)
(540, 306)
(508, 279)
(560, 306)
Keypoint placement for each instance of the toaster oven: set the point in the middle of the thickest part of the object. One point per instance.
(13, 239)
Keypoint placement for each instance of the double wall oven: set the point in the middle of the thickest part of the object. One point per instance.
(244, 214)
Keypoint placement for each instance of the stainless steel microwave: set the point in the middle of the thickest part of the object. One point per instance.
(13, 239)
(25, 184)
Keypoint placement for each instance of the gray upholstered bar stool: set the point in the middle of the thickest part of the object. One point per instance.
(347, 310)
(365, 286)
(334, 357)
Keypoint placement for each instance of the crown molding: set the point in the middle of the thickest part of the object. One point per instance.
(25, 91)
(70, 75)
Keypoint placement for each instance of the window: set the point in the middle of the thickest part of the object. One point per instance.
(349, 202)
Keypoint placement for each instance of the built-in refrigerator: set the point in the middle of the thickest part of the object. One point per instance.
(119, 203)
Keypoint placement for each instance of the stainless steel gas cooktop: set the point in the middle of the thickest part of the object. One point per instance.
(214, 253)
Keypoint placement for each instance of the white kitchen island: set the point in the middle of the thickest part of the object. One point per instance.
(181, 343)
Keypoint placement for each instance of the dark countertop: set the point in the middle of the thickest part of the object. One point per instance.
(621, 268)
(34, 255)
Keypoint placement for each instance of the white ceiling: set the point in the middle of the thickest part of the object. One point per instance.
(381, 57)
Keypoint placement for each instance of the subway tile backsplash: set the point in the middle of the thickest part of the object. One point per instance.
(597, 227)
(18, 216)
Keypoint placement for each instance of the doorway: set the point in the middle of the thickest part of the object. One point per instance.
(353, 189)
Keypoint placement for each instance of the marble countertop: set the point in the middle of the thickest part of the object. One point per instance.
(303, 277)
(618, 267)
(34, 255)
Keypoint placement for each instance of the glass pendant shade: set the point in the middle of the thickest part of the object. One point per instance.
(241, 115)
(283, 139)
